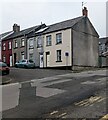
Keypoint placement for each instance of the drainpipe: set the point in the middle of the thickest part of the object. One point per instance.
(25, 38)
(72, 48)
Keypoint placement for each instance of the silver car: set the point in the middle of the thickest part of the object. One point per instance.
(25, 64)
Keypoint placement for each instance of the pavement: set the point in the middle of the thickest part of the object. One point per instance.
(71, 95)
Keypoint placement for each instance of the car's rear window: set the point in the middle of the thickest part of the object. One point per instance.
(3, 65)
(31, 61)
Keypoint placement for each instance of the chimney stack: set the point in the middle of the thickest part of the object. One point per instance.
(16, 28)
(85, 12)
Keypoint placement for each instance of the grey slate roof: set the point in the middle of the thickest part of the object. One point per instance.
(63, 25)
(22, 32)
(103, 40)
(3, 35)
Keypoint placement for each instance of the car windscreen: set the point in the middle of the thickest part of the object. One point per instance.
(3, 65)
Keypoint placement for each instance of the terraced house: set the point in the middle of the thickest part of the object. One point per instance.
(19, 41)
(72, 43)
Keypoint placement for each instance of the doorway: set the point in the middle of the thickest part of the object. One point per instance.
(47, 59)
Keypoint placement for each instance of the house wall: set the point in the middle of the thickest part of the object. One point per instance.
(7, 53)
(34, 50)
(19, 49)
(85, 49)
(65, 46)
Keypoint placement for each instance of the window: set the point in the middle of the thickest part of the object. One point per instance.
(48, 40)
(9, 45)
(58, 38)
(4, 58)
(58, 55)
(39, 42)
(31, 43)
(16, 44)
(22, 55)
(22, 42)
(31, 56)
(4, 46)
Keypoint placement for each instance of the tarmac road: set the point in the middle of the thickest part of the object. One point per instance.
(63, 93)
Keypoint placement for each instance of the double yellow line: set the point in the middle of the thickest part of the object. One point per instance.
(105, 117)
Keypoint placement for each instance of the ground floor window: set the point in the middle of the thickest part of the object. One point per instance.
(31, 56)
(22, 55)
(58, 55)
(4, 58)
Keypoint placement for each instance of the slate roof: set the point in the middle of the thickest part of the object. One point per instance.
(23, 32)
(3, 35)
(103, 40)
(63, 25)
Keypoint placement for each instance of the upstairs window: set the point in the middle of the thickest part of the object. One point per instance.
(10, 45)
(22, 42)
(16, 44)
(48, 40)
(39, 42)
(58, 38)
(31, 43)
(4, 46)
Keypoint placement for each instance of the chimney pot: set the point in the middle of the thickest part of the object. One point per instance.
(85, 12)
(16, 28)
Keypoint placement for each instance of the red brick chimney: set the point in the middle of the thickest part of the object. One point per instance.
(16, 28)
(85, 12)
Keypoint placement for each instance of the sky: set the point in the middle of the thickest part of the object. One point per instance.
(28, 13)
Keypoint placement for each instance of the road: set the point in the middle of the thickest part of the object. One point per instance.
(69, 95)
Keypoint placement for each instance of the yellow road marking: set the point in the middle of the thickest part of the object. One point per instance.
(54, 112)
(62, 114)
(105, 117)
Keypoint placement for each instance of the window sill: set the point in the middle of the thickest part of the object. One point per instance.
(58, 43)
(59, 61)
(15, 47)
(22, 46)
(48, 45)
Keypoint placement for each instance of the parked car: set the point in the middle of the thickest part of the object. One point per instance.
(25, 64)
(4, 69)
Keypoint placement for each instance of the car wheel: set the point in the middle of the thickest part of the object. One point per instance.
(25, 66)
(16, 66)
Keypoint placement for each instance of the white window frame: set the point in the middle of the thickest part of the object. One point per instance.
(31, 54)
(48, 40)
(31, 43)
(58, 38)
(22, 42)
(4, 46)
(58, 55)
(39, 42)
(10, 45)
(22, 55)
(4, 58)
(16, 44)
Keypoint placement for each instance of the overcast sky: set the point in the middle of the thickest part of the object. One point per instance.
(28, 13)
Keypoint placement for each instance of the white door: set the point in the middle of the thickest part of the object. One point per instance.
(10, 60)
(41, 61)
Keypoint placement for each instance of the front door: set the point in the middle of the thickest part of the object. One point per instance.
(47, 59)
(15, 58)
